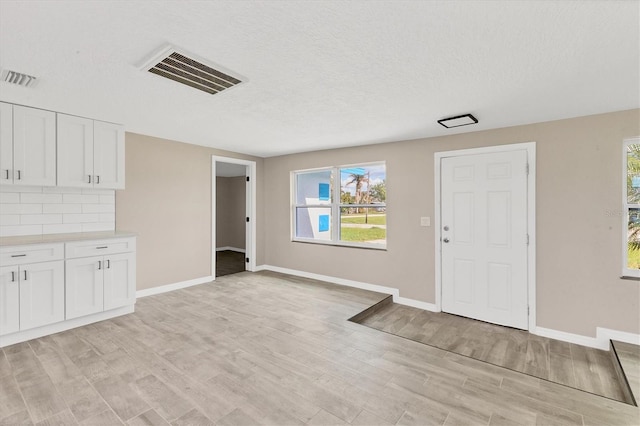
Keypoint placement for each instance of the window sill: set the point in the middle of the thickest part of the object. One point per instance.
(627, 277)
(379, 247)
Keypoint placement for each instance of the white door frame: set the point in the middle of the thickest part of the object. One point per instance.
(530, 147)
(250, 237)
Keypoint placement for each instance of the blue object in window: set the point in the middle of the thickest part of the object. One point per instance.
(323, 222)
(323, 191)
(635, 182)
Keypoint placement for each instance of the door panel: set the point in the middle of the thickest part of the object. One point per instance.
(84, 286)
(41, 294)
(6, 143)
(9, 300)
(108, 164)
(484, 237)
(34, 146)
(119, 280)
(75, 151)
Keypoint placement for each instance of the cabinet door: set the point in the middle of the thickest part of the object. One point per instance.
(119, 280)
(84, 286)
(6, 143)
(34, 146)
(75, 151)
(108, 158)
(9, 300)
(41, 294)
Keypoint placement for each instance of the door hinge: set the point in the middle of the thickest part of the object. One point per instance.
(527, 168)
(528, 311)
(527, 239)
(247, 178)
(246, 259)
(247, 219)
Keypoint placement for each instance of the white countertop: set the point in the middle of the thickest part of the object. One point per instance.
(62, 238)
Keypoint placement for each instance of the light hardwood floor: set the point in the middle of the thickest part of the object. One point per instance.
(266, 348)
(588, 369)
(629, 356)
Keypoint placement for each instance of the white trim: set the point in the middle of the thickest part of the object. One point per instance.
(625, 209)
(34, 333)
(530, 147)
(620, 336)
(356, 284)
(578, 339)
(601, 341)
(251, 206)
(171, 287)
(229, 248)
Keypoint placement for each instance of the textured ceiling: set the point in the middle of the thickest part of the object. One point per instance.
(325, 74)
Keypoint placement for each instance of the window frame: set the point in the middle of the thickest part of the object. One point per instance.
(626, 207)
(335, 205)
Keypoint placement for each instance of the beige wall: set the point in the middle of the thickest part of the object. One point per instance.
(231, 212)
(579, 253)
(167, 202)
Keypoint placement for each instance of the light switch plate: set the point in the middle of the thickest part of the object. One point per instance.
(425, 221)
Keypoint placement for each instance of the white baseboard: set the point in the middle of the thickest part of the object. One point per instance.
(620, 336)
(356, 284)
(175, 286)
(225, 248)
(601, 341)
(417, 304)
(34, 333)
(578, 339)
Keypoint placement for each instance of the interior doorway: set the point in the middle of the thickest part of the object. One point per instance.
(233, 216)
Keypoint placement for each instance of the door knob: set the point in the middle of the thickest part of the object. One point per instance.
(445, 240)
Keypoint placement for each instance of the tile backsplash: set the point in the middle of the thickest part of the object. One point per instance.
(35, 210)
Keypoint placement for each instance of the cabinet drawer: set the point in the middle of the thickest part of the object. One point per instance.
(99, 247)
(31, 253)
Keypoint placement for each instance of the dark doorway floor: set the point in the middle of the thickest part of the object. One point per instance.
(229, 262)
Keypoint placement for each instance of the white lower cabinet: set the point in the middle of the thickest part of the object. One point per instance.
(99, 283)
(85, 286)
(41, 294)
(119, 280)
(9, 300)
(45, 286)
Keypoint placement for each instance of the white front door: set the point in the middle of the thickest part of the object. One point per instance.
(484, 237)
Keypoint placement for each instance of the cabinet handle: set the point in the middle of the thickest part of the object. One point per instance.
(25, 274)
(89, 178)
(18, 255)
(13, 276)
(98, 179)
(7, 174)
(102, 247)
(108, 264)
(19, 175)
(99, 265)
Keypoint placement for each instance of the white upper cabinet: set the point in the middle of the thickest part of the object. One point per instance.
(6, 143)
(75, 151)
(90, 153)
(28, 152)
(108, 159)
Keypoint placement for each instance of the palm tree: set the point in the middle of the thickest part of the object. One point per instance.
(633, 196)
(359, 180)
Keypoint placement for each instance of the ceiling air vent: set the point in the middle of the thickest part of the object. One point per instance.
(14, 77)
(185, 68)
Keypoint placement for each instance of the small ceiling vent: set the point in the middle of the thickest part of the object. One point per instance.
(185, 68)
(14, 77)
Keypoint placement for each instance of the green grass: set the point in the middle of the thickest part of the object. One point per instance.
(362, 234)
(633, 259)
(378, 219)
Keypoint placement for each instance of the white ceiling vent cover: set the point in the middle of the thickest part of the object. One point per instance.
(188, 69)
(18, 78)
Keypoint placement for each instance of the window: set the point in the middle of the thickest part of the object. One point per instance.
(631, 212)
(341, 205)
